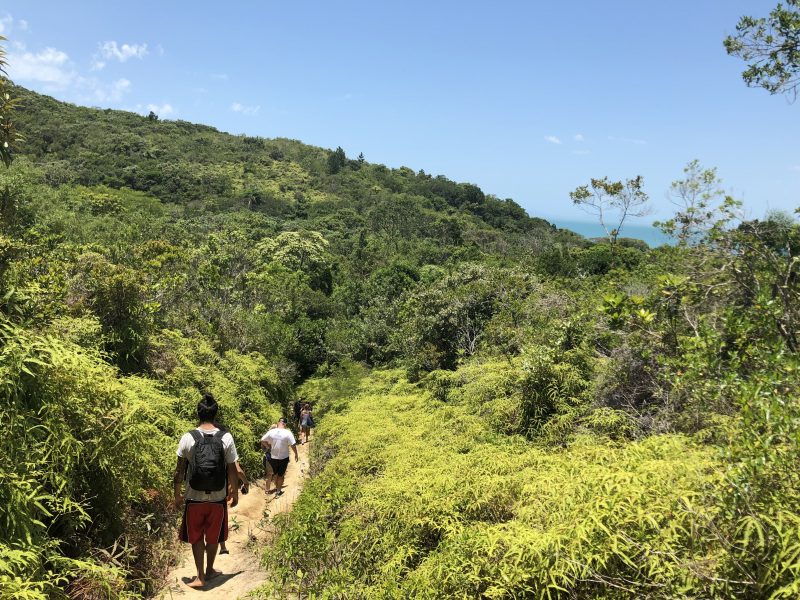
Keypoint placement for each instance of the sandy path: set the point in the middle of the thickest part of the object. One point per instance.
(241, 571)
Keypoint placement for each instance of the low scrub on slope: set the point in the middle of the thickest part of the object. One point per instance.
(419, 498)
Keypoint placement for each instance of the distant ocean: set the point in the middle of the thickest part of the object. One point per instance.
(647, 233)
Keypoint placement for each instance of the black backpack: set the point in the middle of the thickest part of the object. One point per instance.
(209, 473)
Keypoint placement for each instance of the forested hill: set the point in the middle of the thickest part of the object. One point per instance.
(166, 192)
(185, 163)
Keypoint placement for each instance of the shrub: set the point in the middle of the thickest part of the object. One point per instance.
(428, 501)
(85, 451)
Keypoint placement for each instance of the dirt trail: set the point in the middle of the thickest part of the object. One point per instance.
(241, 571)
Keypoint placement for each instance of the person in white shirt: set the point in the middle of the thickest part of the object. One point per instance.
(207, 460)
(279, 440)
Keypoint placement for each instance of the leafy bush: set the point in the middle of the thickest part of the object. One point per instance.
(759, 497)
(86, 451)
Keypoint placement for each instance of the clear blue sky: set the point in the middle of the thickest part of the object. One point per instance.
(526, 99)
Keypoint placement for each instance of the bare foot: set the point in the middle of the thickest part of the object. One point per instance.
(196, 583)
(212, 574)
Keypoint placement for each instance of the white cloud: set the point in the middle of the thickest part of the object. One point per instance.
(8, 24)
(245, 110)
(162, 110)
(552, 139)
(113, 51)
(53, 69)
(122, 53)
(578, 137)
(50, 66)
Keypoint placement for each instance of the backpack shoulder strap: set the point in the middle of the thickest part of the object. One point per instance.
(220, 434)
(196, 435)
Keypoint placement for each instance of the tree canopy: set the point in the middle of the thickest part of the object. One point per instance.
(771, 48)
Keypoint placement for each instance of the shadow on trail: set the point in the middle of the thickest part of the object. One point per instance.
(213, 583)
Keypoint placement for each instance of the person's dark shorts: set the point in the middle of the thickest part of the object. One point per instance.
(279, 465)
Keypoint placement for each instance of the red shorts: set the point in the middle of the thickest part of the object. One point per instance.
(207, 520)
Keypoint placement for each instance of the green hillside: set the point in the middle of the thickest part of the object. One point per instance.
(506, 410)
(202, 191)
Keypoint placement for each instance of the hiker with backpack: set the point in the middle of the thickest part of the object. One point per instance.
(207, 458)
(306, 423)
(279, 440)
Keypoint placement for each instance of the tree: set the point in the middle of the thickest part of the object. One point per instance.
(397, 217)
(336, 161)
(766, 261)
(701, 203)
(771, 48)
(152, 116)
(615, 200)
(446, 319)
(300, 205)
(302, 251)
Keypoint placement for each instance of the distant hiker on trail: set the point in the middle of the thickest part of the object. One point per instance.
(306, 422)
(211, 478)
(279, 440)
(298, 407)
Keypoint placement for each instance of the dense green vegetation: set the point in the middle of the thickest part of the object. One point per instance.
(142, 262)
(507, 410)
(425, 498)
(621, 435)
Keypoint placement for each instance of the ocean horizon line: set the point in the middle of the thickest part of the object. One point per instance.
(647, 233)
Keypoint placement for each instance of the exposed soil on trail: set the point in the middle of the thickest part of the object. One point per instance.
(248, 533)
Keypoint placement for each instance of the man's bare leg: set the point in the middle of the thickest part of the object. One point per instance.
(211, 554)
(198, 552)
